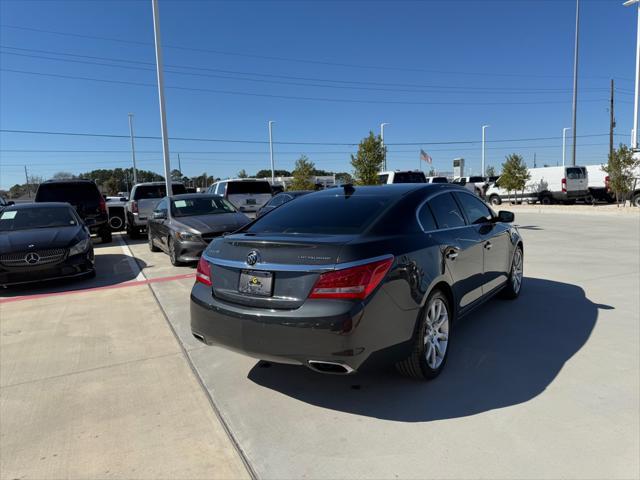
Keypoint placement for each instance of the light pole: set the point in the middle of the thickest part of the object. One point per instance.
(575, 83)
(163, 114)
(564, 143)
(634, 139)
(484, 127)
(384, 152)
(133, 150)
(273, 176)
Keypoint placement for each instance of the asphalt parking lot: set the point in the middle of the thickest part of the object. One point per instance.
(102, 379)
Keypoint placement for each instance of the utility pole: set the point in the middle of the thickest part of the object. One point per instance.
(273, 173)
(180, 166)
(484, 127)
(163, 113)
(612, 122)
(26, 176)
(384, 152)
(575, 83)
(564, 144)
(133, 150)
(534, 160)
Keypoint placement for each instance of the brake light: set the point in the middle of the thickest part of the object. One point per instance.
(355, 282)
(103, 205)
(203, 272)
(134, 207)
(607, 183)
(564, 185)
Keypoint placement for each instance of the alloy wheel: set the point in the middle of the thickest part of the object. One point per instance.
(516, 271)
(436, 334)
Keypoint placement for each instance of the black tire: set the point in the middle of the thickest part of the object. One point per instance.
(105, 235)
(546, 200)
(173, 256)
(417, 364)
(512, 289)
(495, 200)
(635, 200)
(116, 223)
(152, 246)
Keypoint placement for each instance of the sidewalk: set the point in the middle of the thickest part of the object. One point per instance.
(95, 385)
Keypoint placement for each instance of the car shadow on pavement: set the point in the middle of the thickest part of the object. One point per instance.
(111, 269)
(503, 354)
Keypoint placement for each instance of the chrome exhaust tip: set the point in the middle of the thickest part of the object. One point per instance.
(332, 368)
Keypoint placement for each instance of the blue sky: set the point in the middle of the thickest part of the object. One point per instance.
(435, 70)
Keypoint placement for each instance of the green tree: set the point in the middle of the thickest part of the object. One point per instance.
(491, 171)
(277, 173)
(62, 175)
(368, 161)
(242, 174)
(176, 175)
(344, 177)
(514, 174)
(432, 172)
(303, 174)
(620, 169)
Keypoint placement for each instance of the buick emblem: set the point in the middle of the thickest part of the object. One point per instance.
(32, 258)
(253, 257)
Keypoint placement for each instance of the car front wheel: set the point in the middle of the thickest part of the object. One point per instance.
(495, 200)
(152, 246)
(514, 283)
(173, 255)
(431, 346)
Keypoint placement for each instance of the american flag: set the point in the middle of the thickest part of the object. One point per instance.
(425, 156)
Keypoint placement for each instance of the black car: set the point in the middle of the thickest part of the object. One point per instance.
(195, 219)
(347, 278)
(280, 199)
(43, 241)
(84, 196)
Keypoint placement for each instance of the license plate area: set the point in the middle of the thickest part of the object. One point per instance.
(255, 282)
(250, 201)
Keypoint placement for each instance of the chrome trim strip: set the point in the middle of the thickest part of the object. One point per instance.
(347, 369)
(289, 267)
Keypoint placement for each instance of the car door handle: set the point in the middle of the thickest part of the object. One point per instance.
(452, 253)
(487, 245)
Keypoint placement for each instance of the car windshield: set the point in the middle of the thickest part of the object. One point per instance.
(49, 217)
(74, 193)
(332, 215)
(439, 180)
(190, 207)
(239, 188)
(157, 191)
(409, 177)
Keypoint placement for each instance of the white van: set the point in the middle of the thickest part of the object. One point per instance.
(409, 176)
(547, 185)
(246, 194)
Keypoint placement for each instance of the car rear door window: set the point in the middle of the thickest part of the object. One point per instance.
(246, 187)
(426, 219)
(576, 173)
(475, 210)
(446, 211)
(409, 177)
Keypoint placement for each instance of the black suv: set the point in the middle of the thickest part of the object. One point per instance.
(85, 197)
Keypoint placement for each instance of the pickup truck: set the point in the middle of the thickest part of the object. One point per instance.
(142, 201)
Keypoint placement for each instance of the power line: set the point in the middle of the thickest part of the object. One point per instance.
(354, 84)
(289, 97)
(449, 142)
(290, 59)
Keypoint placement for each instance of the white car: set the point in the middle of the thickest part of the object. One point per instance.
(547, 185)
(248, 195)
(397, 176)
(437, 180)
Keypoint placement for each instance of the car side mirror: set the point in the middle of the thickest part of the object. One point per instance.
(506, 217)
(11, 202)
(159, 215)
(90, 222)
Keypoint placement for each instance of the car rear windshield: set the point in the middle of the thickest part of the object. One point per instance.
(323, 215)
(190, 207)
(157, 191)
(240, 188)
(576, 173)
(74, 193)
(439, 180)
(409, 177)
(476, 179)
(27, 218)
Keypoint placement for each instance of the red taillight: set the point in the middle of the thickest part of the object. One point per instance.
(134, 207)
(103, 205)
(564, 185)
(203, 272)
(607, 183)
(355, 282)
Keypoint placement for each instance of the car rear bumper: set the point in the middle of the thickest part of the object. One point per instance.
(347, 333)
(75, 266)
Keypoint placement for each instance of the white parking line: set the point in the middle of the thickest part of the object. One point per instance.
(131, 259)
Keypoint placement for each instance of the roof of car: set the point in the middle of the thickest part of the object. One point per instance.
(295, 193)
(393, 189)
(156, 183)
(27, 206)
(68, 180)
(243, 180)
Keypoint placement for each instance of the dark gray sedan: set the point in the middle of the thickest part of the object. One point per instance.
(194, 220)
(355, 276)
